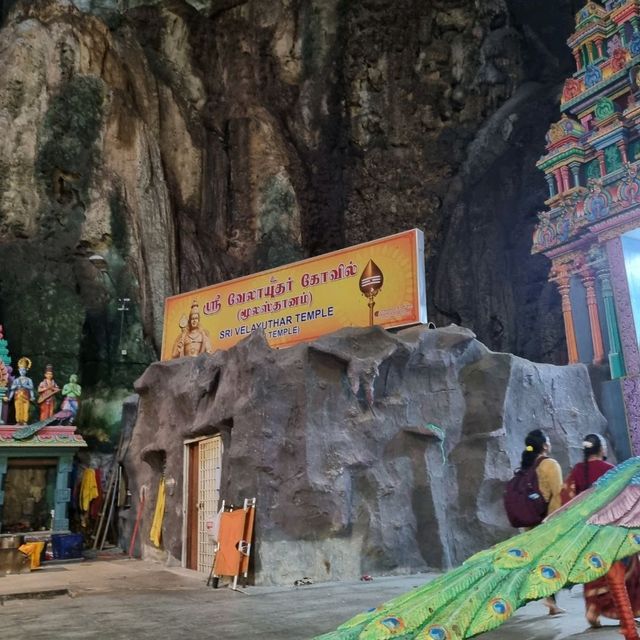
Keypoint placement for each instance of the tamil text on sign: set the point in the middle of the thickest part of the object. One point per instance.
(379, 282)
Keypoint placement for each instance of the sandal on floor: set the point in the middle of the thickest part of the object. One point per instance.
(594, 623)
(593, 619)
(554, 609)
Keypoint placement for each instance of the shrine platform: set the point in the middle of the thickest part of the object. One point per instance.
(49, 436)
(35, 463)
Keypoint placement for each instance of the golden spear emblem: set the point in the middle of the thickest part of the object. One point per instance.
(371, 282)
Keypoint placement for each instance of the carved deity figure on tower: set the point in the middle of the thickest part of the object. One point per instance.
(193, 340)
(21, 391)
(47, 389)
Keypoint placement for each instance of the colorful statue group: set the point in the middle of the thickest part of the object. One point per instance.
(22, 393)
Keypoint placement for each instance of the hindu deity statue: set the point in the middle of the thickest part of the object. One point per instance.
(47, 389)
(21, 391)
(71, 392)
(193, 340)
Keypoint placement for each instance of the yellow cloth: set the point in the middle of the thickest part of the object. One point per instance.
(156, 525)
(21, 405)
(88, 488)
(33, 550)
(550, 482)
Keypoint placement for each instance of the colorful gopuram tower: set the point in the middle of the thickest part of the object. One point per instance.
(5, 377)
(591, 229)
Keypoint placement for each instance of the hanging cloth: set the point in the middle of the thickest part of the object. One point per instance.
(88, 488)
(156, 526)
(96, 503)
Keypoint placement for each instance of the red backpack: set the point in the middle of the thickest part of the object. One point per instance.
(523, 502)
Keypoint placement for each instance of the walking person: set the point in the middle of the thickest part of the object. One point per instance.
(534, 491)
(536, 452)
(597, 595)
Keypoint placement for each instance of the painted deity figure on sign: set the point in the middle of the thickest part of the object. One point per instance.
(193, 340)
(47, 389)
(21, 391)
(71, 392)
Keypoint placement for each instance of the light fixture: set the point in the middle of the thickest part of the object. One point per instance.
(99, 262)
(101, 265)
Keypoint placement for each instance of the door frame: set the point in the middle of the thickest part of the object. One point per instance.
(190, 446)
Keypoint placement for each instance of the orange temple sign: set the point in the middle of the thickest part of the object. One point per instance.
(380, 282)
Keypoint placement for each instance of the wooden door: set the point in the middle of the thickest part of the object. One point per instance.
(205, 464)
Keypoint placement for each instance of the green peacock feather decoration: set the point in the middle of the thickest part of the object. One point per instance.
(577, 544)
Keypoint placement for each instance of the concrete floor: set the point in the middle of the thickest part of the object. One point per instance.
(122, 599)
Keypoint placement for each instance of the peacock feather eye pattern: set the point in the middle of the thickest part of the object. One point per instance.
(437, 633)
(595, 560)
(500, 608)
(391, 623)
(547, 572)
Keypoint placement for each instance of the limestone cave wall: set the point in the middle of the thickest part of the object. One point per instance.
(191, 142)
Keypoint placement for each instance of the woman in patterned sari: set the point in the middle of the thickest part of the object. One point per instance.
(598, 599)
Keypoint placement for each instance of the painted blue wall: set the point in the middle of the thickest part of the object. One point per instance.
(631, 248)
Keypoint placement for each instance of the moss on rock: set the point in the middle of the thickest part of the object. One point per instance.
(118, 219)
(99, 417)
(70, 131)
(279, 222)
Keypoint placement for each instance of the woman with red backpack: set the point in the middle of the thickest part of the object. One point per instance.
(536, 452)
(534, 491)
(597, 596)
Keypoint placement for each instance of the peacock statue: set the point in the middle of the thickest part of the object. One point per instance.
(578, 543)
